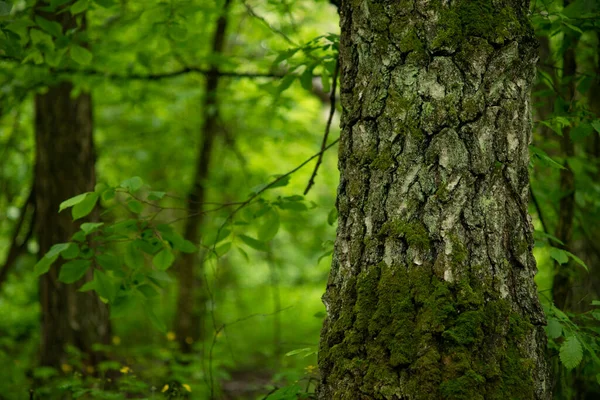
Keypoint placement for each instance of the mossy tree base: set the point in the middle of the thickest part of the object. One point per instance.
(431, 292)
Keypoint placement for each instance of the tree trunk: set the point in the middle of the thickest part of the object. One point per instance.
(565, 274)
(431, 292)
(189, 312)
(64, 168)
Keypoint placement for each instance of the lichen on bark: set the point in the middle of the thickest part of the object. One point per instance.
(431, 292)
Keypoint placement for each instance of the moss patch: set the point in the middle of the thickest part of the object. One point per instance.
(414, 233)
(495, 21)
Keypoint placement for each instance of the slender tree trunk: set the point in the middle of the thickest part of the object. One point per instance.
(431, 292)
(64, 168)
(564, 276)
(188, 321)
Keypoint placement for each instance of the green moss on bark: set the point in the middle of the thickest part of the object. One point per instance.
(481, 18)
(414, 233)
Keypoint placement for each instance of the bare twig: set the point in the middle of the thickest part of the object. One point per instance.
(311, 181)
(267, 24)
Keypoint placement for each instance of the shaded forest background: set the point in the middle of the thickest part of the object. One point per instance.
(209, 117)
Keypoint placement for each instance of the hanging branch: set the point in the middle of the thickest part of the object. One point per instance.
(311, 181)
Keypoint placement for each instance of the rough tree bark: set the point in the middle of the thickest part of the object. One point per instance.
(431, 292)
(64, 168)
(188, 317)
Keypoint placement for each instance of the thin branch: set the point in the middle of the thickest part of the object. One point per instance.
(16, 246)
(311, 181)
(267, 187)
(267, 24)
(171, 74)
(152, 77)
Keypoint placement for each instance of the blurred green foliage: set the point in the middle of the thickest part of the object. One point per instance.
(267, 246)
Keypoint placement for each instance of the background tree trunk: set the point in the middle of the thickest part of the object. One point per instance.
(431, 292)
(64, 168)
(190, 307)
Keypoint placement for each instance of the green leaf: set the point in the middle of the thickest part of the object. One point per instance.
(255, 244)
(571, 352)
(148, 291)
(298, 351)
(133, 257)
(91, 285)
(108, 261)
(332, 216)
(81, 55)
(575, 28)
(545, 158)
(163, 259)
(57, 249)
(44, 264)
(578, 260)
(83, 208)
(154, 196)
(221, 235)
(158, 324)
(108, 194)
(72, 201)
(596, 125)
(104, 285)
(307, 77)
(5, 9)
(270, 226)
(559, 255)
(286, 82)
(554, 328)
(325, 80)
(277, 182)
(134, 206)
(89, 227)
(596, 302)
(52, 27)
(293, 206)
(223, 249)
(79, 6)
(74, 270)
(123, 305)
(132, 184)
(325, 255)
(70, 252)
(187, 247)
(582, 131)
(295, 197)
(244, 254)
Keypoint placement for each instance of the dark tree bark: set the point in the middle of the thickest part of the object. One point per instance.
(64, 168)
(564, 276)
(188, 320)
(431, 292)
